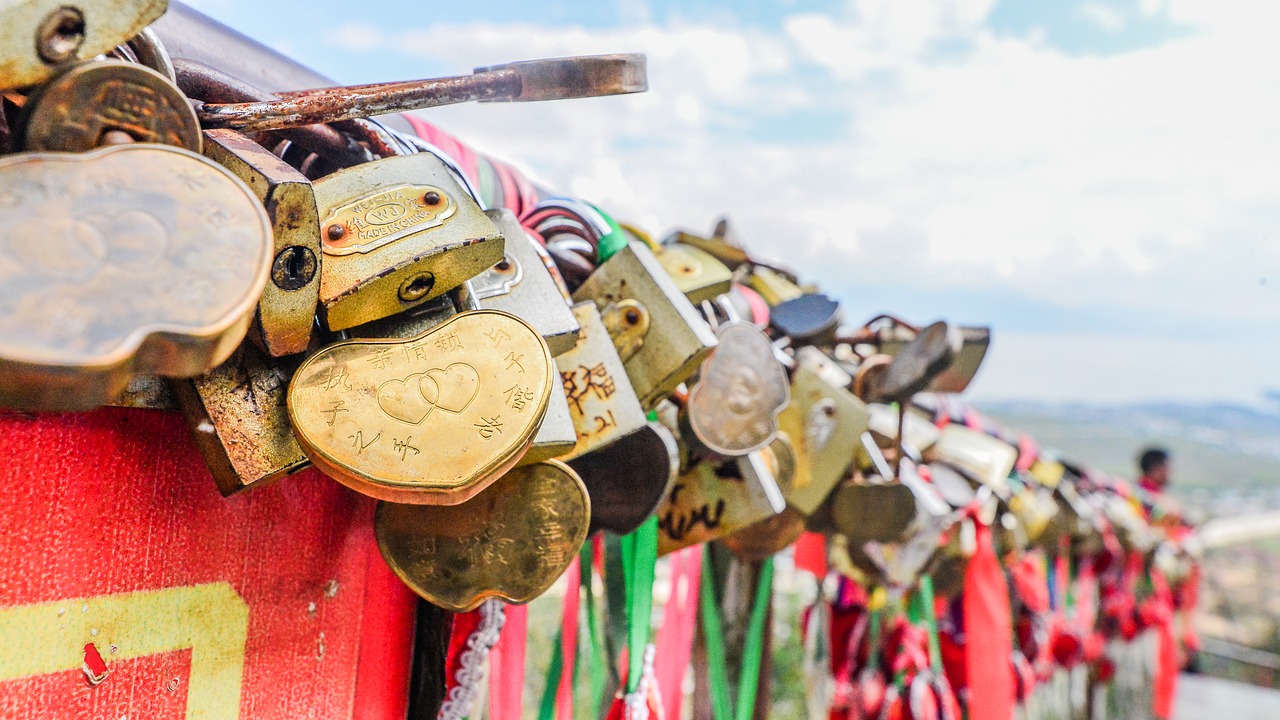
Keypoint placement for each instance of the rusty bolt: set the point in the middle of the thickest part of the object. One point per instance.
(336, 231)
(503, 265)
(632, 316)
(60, 35)
(431, 198)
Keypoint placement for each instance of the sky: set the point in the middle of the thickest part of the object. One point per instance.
(1098, 181)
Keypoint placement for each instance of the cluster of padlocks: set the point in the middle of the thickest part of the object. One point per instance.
(525, 384)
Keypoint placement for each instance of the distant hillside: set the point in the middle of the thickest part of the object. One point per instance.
(1226, 457)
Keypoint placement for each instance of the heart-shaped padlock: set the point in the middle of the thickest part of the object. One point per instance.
(430, 420)
(510, 541)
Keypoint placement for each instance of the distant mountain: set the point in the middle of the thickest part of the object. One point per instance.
(1226, 457)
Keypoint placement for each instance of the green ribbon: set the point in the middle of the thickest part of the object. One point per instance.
(639, 557)
(610, 244)
(753, 649)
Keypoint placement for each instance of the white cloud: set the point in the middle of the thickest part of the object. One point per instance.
(1145, 181)
(1104, 16)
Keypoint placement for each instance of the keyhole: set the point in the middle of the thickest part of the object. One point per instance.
(293, 268)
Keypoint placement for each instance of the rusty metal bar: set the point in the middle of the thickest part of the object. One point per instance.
(533, 80)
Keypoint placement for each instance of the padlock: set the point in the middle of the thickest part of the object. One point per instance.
(522, 283)
(955, 378)
(632, 287)
(698, 275)
(146, 392)
(286, 312)
(395, 233)
(924, 358)
(601, 402)
(432, 419)
(240, 419)
(629, 477)
(42, 36)
(804, 316)
(124, 261)
(108, 102)
(987, 459)
(557, 436)
(711, 501)
(823, 422)
(721, 245)
(733, 409)
(512, 541)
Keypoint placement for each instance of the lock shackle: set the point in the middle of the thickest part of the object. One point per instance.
(148, 50)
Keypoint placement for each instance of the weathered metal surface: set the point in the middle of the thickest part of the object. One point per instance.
(130, 260)
(550, 79)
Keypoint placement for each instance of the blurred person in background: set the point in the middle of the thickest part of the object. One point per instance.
(1153, 465)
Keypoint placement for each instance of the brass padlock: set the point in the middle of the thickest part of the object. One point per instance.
(824, 422)
(395, 233)
(108, 102)
(699, 276)
(513, 540)
(721, 245)
(632, 286)
(432, 419)
(286, 312)
(522, 283)
(124, 261)
(990, 460)
(240, 419)
(42, 36)
(708, 502)
(602, 404)
(556, 434)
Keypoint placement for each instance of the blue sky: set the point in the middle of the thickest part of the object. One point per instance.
(1099, 181)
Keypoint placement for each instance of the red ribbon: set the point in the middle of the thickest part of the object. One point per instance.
(679, 619)
(506, 666)
(988, 635)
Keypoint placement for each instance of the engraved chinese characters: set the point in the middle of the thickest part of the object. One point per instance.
(601, 402)
(429, 420)
(81, 108)
(511, 541)
(734, 408)
(130, 260)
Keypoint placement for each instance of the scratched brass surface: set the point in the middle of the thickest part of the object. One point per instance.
(678, 338)
(824, 422)
(395, 233)
(286, 313)
(240, 420)
(102, 25)
(74, 111)
(734, 408)
(130, 260)
(511, 541)
(698, 275)
(428, 420)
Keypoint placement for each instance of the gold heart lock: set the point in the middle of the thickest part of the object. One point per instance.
(511, 541)
(431, 420)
